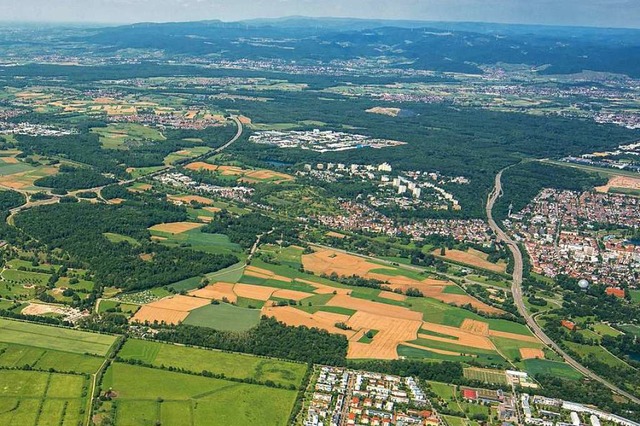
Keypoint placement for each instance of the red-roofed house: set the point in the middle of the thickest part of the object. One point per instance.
(568, 324)
(615, 291)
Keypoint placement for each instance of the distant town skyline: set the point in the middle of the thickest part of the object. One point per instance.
(596, 13)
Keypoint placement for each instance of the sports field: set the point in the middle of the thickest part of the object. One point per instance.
(152, 396)
(231, 365)
(61, 339)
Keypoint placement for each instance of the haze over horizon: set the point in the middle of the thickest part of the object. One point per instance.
(594, 13)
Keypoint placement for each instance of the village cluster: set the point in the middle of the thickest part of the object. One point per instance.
(320, 141)
(603, 159)
(543, 411)
(28, 129)
(360, 217)
(348, 397)
(178, 180)
(561, 233)
(408, 190)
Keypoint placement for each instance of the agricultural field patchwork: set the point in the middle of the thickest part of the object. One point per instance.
(34, 398)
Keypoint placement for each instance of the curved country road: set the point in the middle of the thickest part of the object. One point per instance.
(516, 289)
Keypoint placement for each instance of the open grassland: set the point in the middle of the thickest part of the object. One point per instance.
(224, 317)
(248, 175)
(630, 328)
(19, 356)
(605, 330)
(599, 352)
(553, 368)
(22, 175)
(118, 238)
(40, 398)
(151, 396)
(185, 154)
(194, 238)
(238, 366)
(55, 338)
(124, 135)
(473, 258)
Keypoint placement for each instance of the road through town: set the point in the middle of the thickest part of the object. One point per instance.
(516, 289)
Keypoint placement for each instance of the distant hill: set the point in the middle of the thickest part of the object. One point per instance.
(456, 47)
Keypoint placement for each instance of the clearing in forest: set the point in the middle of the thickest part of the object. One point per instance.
(175, 227)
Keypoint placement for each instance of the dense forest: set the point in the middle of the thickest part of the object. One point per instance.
(70, 178)
(268, 338)
(85, 147)
(522, 182)
(471, 142)
(78, 229)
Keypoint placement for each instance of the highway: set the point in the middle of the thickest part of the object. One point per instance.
(97, 189)
(516, 290)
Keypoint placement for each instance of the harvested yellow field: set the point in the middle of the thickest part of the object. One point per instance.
(260, 175)
(26, 179)
(375, 308)
(475, 327)
(116, 201)
(212, 209)
(472, 257)
(265, 273)
(9, 160)
(151, 315)
(393, 296)
(291, 294)
(384, 345)
(326, 261)
(391, 112)
(463, 338)
(514, 336)
(179, 303)
(292, 316)
(217, 291)
(199, 165)
(335, 234)
(256, 292)
(176, 227)
(187, 199)
(331, 316)
(620, 182)
(530, 353)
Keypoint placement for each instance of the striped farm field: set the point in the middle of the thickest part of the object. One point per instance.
(56, 338)
(485, 375)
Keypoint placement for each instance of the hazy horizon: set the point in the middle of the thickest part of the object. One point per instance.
(589, 13)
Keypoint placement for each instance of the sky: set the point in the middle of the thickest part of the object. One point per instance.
(598, 13)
